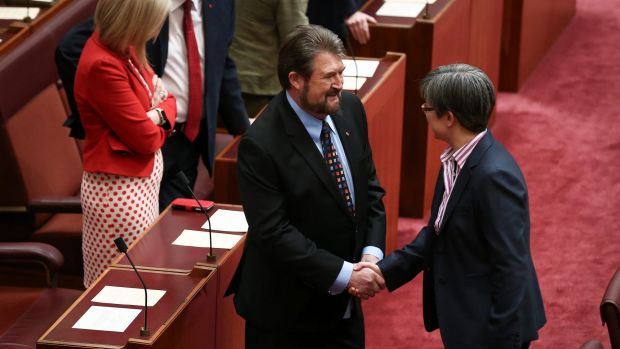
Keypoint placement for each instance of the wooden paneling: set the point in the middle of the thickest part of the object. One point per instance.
(530, 27)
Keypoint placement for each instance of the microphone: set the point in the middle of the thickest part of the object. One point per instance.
(181, 176)
(350, 48)
(122, 247)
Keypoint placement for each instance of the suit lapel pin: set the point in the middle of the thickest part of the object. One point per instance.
(346, 133)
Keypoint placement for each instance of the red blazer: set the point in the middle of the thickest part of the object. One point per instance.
(112, 101)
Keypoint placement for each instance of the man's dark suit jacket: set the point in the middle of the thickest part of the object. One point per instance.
(221, 86)
(300, 231)
(480, 286)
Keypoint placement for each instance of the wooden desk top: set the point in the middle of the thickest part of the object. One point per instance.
(180, 290)
(431, 11)
(154, 250)
(10, 39)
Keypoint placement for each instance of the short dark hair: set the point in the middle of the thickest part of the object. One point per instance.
(462, 89)
(301, 46)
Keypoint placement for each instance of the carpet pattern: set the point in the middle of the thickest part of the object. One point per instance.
(563, 127)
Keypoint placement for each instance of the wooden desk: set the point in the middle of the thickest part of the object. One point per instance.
(183, 318)
(449, 31)
(12, 38)
(382, 96)
(529, 29)
(154, 251)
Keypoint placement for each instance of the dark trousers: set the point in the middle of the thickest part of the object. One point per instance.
(181, 155)
(349, 334)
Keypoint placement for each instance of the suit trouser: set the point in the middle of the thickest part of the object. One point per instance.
(348, 334)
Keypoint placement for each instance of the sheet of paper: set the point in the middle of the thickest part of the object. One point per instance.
(401, 9)
(351, 85)
(18, 13)
(107, 319)
(226, 220)
(365, 68)
(415, 1)
(127, 296)
(200, 238)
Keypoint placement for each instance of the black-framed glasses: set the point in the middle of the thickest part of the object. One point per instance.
(426, 108)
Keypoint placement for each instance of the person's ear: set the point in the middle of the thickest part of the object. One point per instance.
(296, 80)
(450, 119)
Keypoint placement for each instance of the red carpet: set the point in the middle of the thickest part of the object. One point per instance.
(563, 128)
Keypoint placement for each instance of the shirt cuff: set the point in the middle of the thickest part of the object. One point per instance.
(375, 251)
(342, 280)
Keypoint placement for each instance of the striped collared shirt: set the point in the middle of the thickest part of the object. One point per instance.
(453, 161)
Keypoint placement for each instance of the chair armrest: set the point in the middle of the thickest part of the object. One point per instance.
(60, 204)
(591, 344)
(33, 252)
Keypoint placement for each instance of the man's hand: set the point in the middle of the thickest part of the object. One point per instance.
(365, 281)
(357, 24)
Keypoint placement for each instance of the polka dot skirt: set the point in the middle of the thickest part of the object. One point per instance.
(115, 206)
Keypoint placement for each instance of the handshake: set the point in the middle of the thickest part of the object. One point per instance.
(366, 279)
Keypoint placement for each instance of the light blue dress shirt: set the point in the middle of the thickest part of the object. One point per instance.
(314, 126)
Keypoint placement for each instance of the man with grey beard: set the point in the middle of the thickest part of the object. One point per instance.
(313, 203)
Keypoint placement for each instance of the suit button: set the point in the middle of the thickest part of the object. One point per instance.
(441, 281)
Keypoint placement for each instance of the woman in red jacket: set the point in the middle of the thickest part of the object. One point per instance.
(127, 114)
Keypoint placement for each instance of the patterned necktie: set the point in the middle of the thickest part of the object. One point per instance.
(194, 102)
(335, 166)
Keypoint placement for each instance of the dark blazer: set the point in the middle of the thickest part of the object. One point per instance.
(480, 286)
(222, 92)
(300, 231)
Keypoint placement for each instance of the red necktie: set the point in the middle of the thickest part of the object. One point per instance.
(194, 102)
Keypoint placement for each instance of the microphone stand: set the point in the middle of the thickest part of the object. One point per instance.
(349, 37)
(122, 247)
(27, 19)
(210, 257)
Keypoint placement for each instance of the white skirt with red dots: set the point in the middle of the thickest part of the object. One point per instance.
(115, 206)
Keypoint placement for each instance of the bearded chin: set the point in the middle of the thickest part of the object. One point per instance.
(319, 108)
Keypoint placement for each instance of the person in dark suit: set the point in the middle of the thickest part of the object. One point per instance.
(480, 287)
(341, 17)
(308, 223)
(213, 24)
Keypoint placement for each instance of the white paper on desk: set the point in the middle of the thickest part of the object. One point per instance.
(415, 1)
(226, 220)
(200, 238)
(401, 9)
(351, 85)
(18, 13)
(365, 68)
(107, 319)
(128, 296)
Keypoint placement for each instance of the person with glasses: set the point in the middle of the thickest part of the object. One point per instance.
(480, 286)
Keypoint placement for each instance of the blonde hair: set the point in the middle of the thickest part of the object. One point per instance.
(125, 23)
